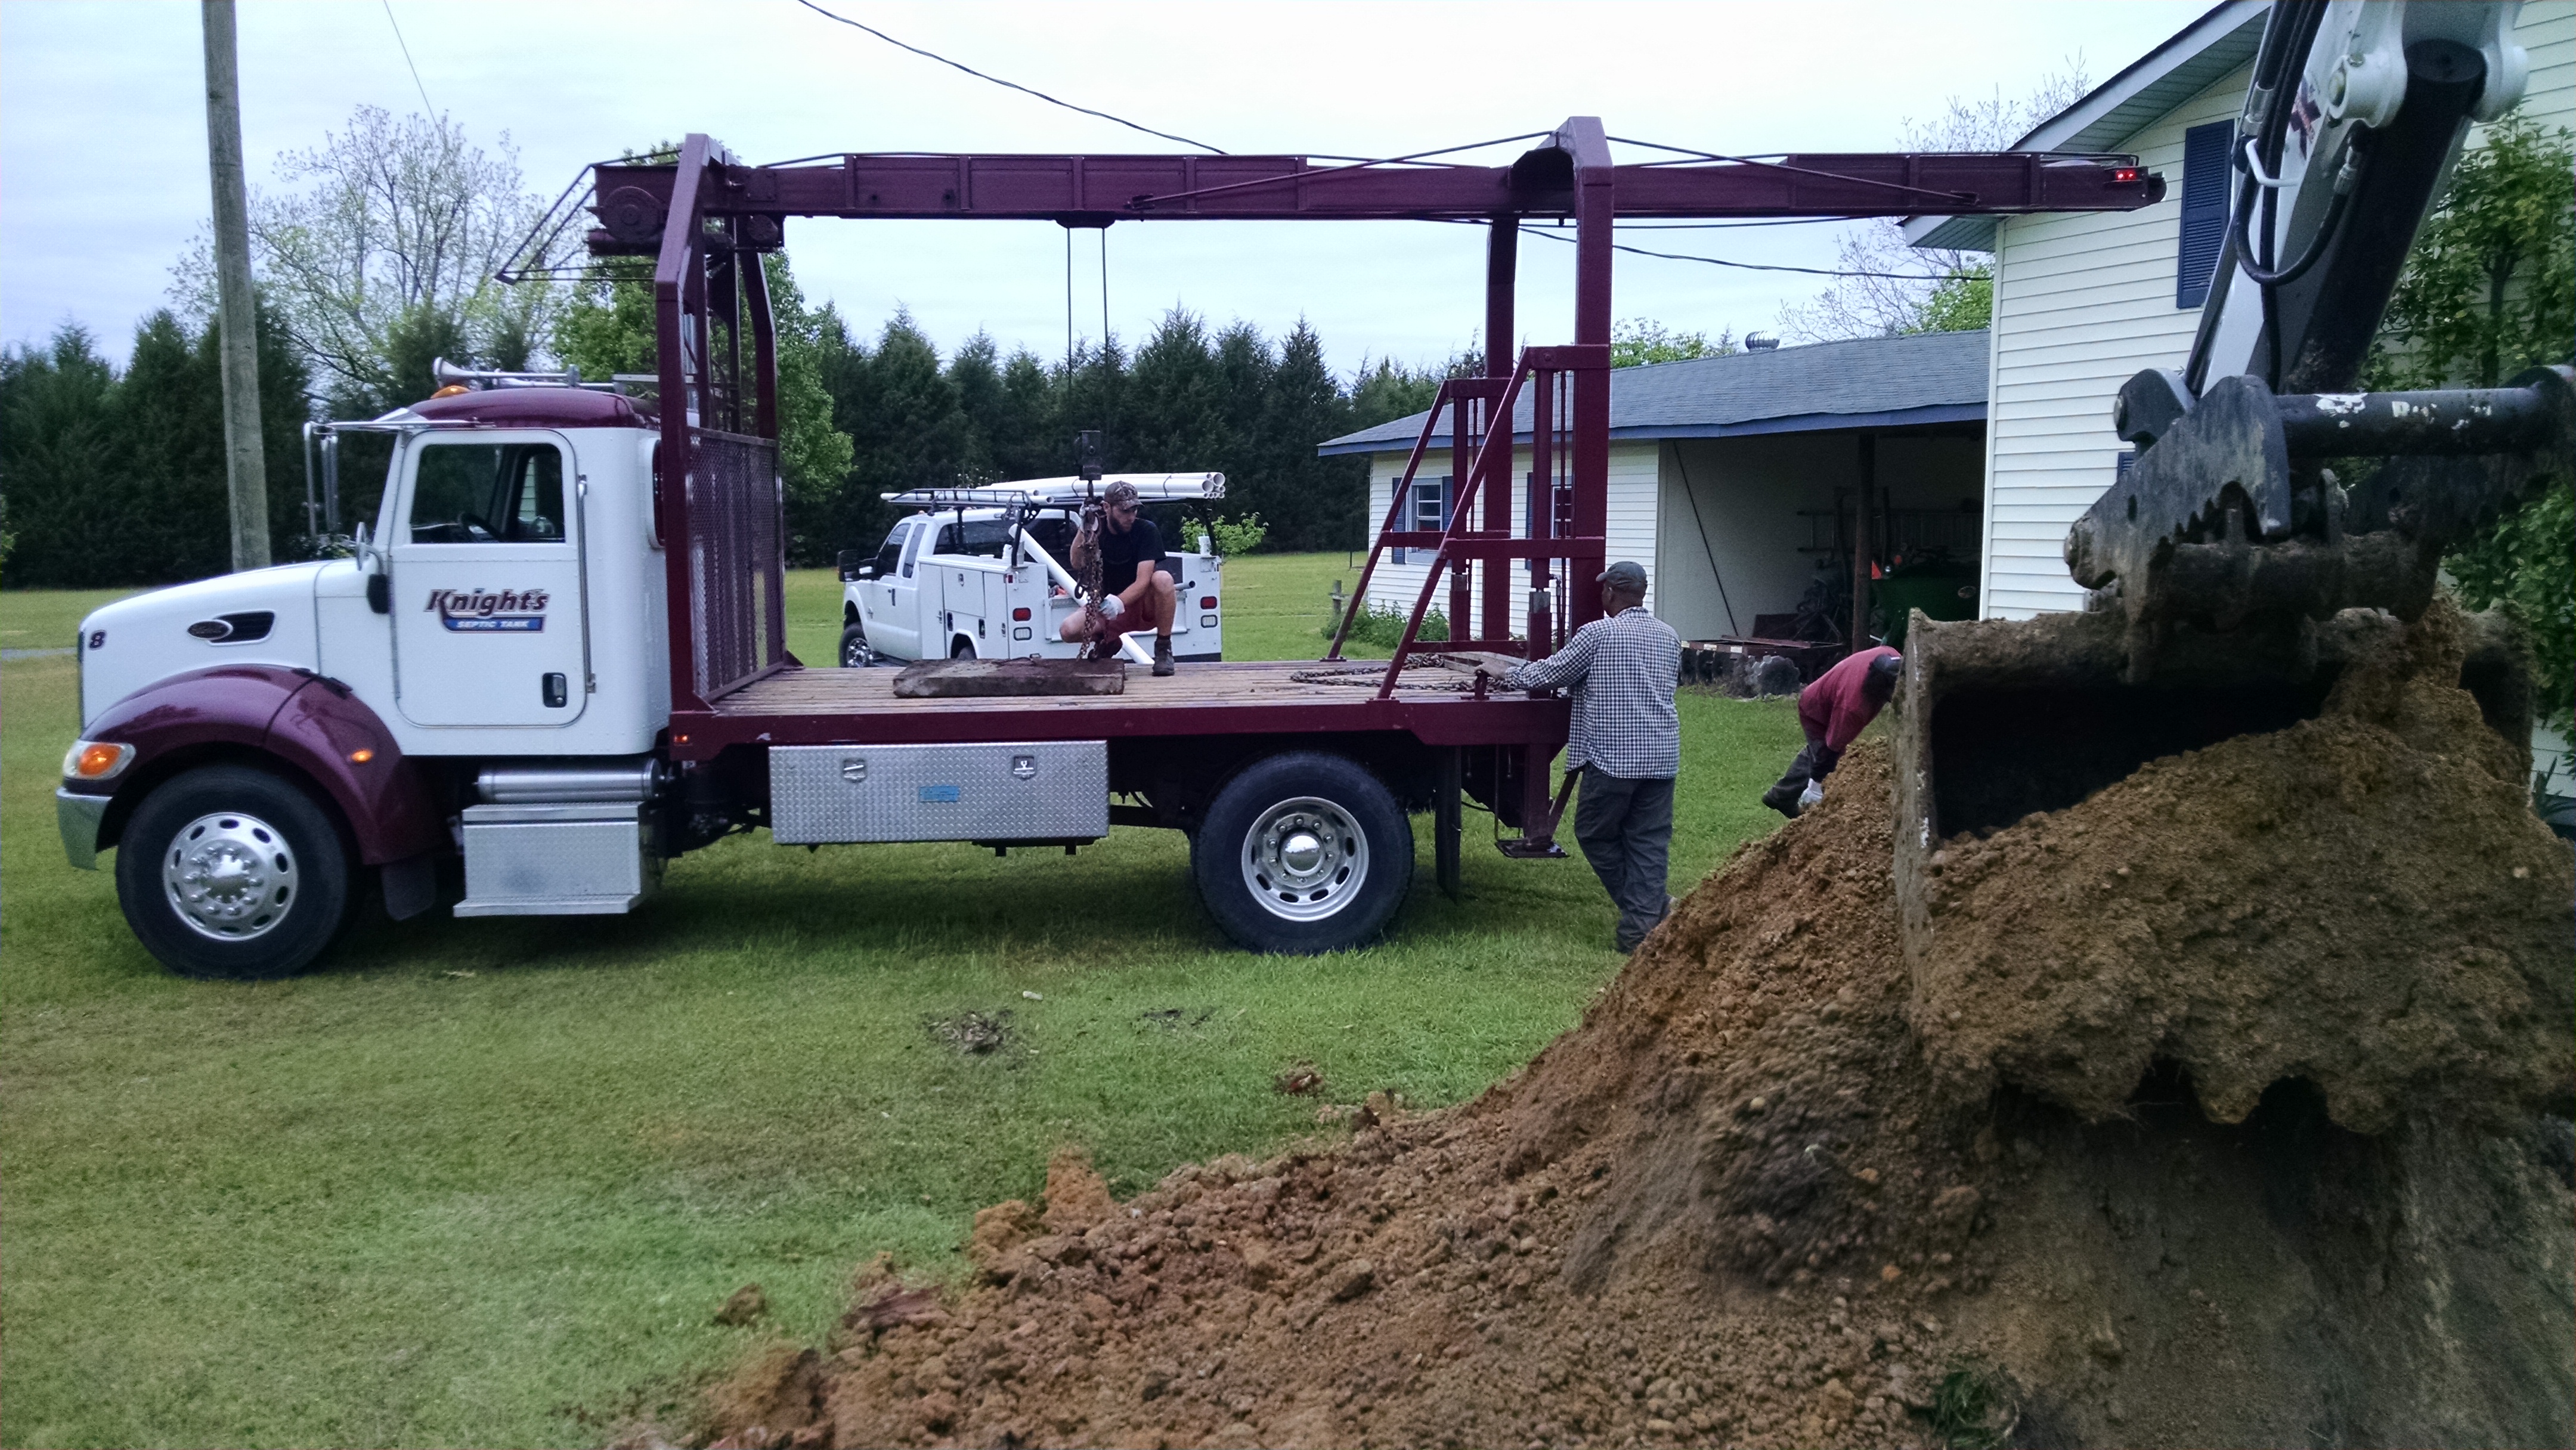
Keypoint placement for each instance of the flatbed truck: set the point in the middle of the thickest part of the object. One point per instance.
(556, 656)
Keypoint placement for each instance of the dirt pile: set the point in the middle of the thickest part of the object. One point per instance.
(1734, 1207)
(2363, 900)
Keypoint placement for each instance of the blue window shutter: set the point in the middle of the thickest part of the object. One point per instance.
(2205, 175)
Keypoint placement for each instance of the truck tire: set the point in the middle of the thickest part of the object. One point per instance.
(1303, 853)
(856, 652)
(229, 871)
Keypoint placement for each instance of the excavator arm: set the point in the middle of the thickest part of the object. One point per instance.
(2276, 524)
(2266, 491)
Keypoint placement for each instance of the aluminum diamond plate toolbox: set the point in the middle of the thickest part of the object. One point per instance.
(1050, 790)
(586, 859)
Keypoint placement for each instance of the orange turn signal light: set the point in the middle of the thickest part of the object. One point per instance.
(96, 760)
(451, 390)
(361, 757)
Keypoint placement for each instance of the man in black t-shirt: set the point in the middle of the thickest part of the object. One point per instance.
(1137, 592)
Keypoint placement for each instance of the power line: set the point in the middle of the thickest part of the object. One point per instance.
(997, 80)
(1755, 266)
(431, 110)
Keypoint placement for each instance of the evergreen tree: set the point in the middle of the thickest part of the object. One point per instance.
(171, 498)
(120, 479)
(976, 373)
(1309, 502)
(62, 461)
(1028, 436)
(1176, 402)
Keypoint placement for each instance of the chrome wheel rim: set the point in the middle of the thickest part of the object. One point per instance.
(856, 654)
(230, 877)
(1305, 859)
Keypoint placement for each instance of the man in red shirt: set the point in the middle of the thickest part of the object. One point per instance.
(1833, 711)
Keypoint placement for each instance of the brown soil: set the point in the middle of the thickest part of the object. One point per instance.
(1736, 1205)
(2363, 900)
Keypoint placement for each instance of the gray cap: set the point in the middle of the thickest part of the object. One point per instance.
(1627, 574)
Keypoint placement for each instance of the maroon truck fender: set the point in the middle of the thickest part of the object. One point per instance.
(302, 720)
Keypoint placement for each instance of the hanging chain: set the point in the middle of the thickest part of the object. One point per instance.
(1086, 547)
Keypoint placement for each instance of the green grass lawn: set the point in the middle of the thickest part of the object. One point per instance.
(484, 1182)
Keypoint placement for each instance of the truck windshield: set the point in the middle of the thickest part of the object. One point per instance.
(487, 493)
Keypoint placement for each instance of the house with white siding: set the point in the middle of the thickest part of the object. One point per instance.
(1733, 479)
(2082, 303)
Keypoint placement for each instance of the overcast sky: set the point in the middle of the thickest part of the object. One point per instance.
(103, 172)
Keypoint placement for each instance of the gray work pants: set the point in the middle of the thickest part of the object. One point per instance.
(1626, 830)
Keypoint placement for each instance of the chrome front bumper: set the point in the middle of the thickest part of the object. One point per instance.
(79, 816)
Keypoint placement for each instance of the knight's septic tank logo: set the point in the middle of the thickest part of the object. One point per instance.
(490, 611)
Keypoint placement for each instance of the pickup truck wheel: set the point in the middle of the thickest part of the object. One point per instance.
(1303, 853)
(229, 871)
(856, 652)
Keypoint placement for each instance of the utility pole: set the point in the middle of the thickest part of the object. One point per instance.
(236, 310)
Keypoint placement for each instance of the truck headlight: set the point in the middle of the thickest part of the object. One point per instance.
(96, 760)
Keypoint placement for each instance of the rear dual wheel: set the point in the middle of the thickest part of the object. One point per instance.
(1303, 853)
(230, 871)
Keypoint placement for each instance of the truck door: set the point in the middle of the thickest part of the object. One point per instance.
(959, 600)
(894, 627)
(875, 595)
(486, 570)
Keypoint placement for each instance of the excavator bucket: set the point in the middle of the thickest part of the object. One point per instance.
(2234, 578)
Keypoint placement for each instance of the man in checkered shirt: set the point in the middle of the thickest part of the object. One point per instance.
(1627, 742)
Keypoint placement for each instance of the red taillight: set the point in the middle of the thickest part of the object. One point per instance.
(1208, 602)
(1021, 613)
(2124, 173)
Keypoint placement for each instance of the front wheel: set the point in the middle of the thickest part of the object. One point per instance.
(856, 652)
(1303, 853)
(229, 871)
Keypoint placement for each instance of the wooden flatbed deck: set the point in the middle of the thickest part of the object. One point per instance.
(806, 706)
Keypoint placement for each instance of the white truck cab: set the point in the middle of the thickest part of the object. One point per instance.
(250, 742)
(985, 573)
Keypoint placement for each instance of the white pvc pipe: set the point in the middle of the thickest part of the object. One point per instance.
(1127, 644)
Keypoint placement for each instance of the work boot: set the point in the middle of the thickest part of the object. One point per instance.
(1163, 664)
(1784, 798)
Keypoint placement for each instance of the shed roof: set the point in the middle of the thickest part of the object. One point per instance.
(2119, 108)
(1870, 382)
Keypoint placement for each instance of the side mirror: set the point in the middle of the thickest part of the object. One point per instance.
(380, 593)
(856, 564)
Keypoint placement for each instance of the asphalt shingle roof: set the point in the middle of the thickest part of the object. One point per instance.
(1937, 377)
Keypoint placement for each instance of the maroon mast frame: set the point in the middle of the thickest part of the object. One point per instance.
(705, 219)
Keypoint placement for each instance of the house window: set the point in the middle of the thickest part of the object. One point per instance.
(1430, 510)
(2205, 174)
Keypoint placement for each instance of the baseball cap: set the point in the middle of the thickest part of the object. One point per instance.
(1627, 574)
(1119, 494)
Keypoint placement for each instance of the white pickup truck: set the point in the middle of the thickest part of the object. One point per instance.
(982, 573)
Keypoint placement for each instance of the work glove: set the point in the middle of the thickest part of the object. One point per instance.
(1111, 606)
(1814, 793)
